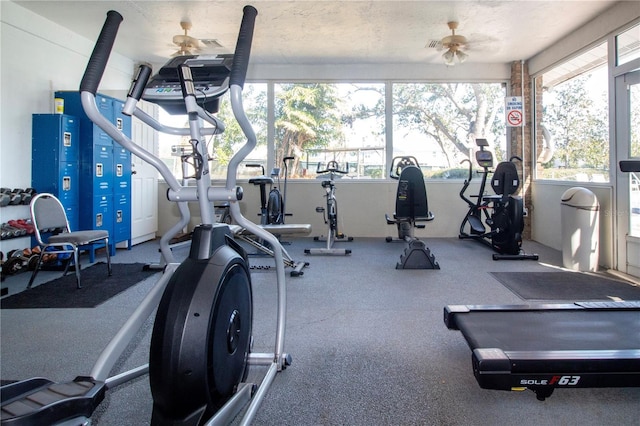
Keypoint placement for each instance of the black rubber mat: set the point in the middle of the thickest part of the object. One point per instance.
(62, 292)
(566, 286)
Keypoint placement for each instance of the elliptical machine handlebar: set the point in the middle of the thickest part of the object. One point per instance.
(467, 182)
(100, 55)
(243, 47)
(137, 89)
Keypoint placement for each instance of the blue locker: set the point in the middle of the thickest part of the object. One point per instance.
(54, 160)
(57, 178)
(122, 217)
(72, 216)
(105, 170)
(96, 171)
(121, 169)
(55, 136)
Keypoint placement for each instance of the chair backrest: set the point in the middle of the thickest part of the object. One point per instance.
(411, 196)
(47, 213)
(505, 180)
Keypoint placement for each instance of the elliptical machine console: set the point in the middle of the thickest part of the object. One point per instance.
(503, 212)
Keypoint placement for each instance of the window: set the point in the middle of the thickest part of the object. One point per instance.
(628, 45)
(220, 147)
(320, 122)
(575, 119)
(346, 122)
(438, 124)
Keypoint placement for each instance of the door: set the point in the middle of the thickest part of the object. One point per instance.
(144, 180)
(627, 88)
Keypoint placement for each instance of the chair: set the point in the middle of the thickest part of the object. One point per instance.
(54, 236)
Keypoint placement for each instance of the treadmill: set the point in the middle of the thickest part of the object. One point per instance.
(548, 346)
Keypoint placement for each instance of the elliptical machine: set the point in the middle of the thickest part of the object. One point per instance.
(502, 212)
(201, 340)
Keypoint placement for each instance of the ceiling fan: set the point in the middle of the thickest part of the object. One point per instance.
(455, 45)
(188, 45)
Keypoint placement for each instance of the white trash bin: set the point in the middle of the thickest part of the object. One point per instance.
(580, 222)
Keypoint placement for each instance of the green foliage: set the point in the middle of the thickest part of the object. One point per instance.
(307, 117)
(579, 125)
(226, 144)
(452, 115)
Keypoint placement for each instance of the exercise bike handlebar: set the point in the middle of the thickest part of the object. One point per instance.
(399, 163)
(332, 167)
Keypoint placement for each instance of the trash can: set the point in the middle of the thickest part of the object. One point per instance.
(580, 223)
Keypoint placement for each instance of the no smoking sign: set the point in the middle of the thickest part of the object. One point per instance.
(515, 111)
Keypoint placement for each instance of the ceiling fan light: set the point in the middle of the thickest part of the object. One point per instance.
(448, 57)
(461, 56)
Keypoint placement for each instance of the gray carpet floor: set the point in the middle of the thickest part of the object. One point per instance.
(368, 342)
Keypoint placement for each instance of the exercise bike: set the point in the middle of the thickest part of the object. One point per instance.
(262, 181)
(272, 220)
(502, 212)
(272, 206)
(276, 205)
(412, 208)
(201, 339)
(330, 212)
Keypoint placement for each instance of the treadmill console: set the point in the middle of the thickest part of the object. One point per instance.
(210, 79)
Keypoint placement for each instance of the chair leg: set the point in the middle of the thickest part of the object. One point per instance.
(35, 271)
(67, 263)
(76, 261)
(106, 242)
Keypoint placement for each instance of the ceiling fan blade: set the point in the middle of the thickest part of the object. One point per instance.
(185, 40)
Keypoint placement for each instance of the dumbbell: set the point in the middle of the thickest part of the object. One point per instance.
(5, 196)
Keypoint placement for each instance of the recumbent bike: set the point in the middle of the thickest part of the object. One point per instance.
(201, 339)
(502, 212)
(411, 209)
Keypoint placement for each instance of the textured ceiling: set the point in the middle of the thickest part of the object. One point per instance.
(310, 32)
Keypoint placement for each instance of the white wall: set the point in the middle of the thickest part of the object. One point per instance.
(546, 210)
(38, 58)
(612, 19)
(361, 207)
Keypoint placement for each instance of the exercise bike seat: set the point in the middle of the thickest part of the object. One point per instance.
(261, 180)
